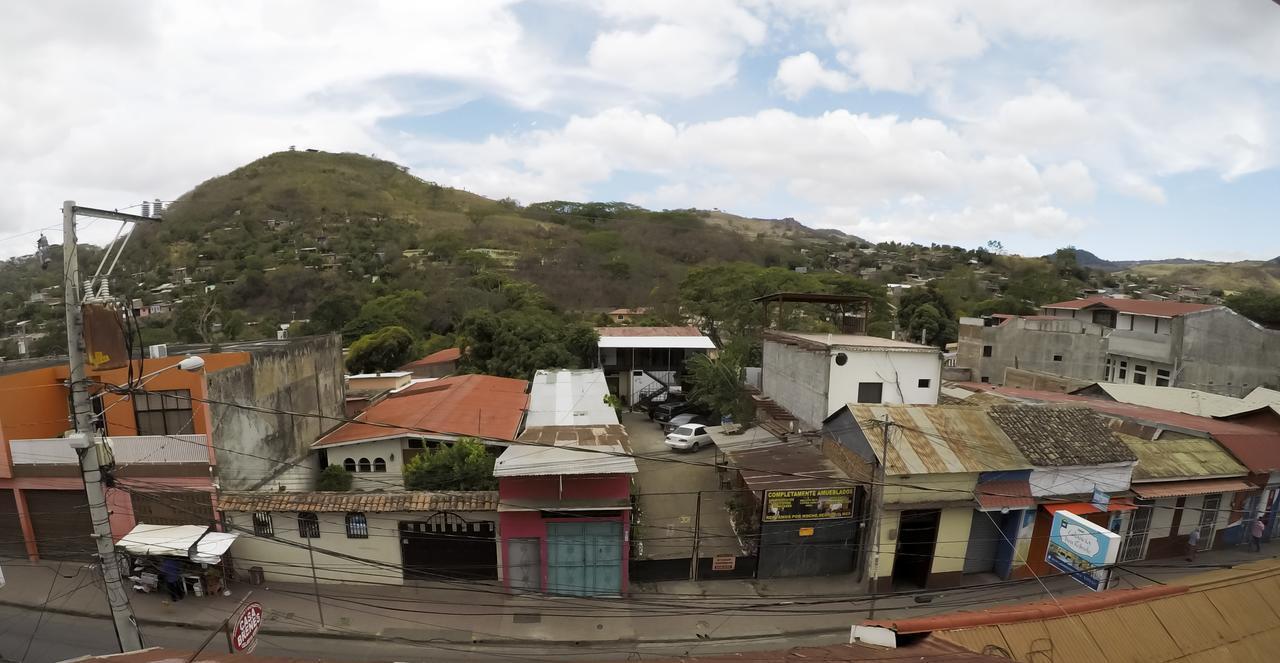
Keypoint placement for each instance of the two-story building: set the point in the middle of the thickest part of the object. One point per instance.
(1132, 341)
(645, 363)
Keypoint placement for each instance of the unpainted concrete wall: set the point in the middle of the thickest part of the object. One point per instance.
(796, 379)
(1032, 345)
(1225, 353)
(303, 376)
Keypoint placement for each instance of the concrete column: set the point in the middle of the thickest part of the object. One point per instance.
(28, 530)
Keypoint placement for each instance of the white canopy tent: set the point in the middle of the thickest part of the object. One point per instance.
(194, 542)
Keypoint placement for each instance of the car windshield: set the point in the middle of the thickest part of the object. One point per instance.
(685, 430)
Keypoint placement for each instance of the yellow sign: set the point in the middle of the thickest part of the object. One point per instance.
(810, 504)
(806, 531)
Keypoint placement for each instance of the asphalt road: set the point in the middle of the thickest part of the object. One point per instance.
(62, 637)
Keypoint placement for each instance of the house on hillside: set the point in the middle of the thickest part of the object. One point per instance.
(435, 365)
(1129, 341)
(624, 316)
(645, 363)
(172, 442)
(382, 439)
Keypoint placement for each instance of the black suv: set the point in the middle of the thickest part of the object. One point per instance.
(667, 409)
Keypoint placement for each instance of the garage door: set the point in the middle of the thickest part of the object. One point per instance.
(584, 559)
(11, 540)
(62, 524)
(448, 546)
(984, 541)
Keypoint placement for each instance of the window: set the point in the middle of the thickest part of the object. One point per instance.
(349, 465)
(986, 351)
(163, 412)
(1139, 374)
(308, 526)
(1157, 330)
(415, 444)
(1057, 357)
(262, 524)
(985, 378)
(923, 383)
(1162, 377)
(870, 392)
(379, 465)
(364, 465)
(1124, 370)
(357, 526)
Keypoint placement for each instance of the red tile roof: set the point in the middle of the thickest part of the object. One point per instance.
(1135, 306)
(472, 405)
(377, 502)
(648, 331)
(1257, 448)
(443, 356)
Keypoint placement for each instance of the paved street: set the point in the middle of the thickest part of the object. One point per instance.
(669, 498)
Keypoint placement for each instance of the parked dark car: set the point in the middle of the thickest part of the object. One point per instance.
(689, 418)
(671, 399)
(665, 411)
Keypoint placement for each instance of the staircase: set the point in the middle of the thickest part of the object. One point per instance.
(654, 392)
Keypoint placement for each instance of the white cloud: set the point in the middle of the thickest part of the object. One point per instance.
(903, 47)
(1070, 181)
(799, 74)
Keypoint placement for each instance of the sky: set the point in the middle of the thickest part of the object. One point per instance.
(1142, 129)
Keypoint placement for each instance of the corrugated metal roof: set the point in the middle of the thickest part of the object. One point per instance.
(569, 398)
(997, 494)
(331, 502)
(480, 406)
(938, 439)
(1192, 487)
(636, 332)
(524, 461)
(855, 342)
(784, 462)
(166, 655)
(1172, 457)
(1187, 401)
(658, 342)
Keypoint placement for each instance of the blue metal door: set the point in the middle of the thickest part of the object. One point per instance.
(584, 559)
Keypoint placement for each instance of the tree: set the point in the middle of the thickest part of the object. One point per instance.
(926, 323)
(517, 342)
(717, 385)
(463, 465)
(1258, 305)
(406, 308)
(938, 320)
(334, 478)
(384, 350)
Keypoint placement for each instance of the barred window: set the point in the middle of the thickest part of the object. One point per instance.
(357, 526)
(262, 524)
(308, 526)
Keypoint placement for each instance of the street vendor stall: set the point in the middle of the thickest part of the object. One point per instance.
(190, 555)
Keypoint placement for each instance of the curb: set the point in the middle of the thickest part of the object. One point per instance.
(374, 637)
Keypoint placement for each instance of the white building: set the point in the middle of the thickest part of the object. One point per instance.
(813, 375)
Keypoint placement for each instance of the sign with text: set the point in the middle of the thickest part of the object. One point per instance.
(809, 504)
(1100, 500)
(1082, 549)
(724, 563)
(244, 637)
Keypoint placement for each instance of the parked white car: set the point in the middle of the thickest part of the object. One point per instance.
(689, 437)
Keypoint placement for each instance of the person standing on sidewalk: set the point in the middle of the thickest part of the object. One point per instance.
(171, 574)
(1193, 542)
(1256, 531)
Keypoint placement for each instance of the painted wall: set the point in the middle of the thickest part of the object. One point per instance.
(390, 451)
(303, 376)
(796, 379)
(899, 373)
(933, 488)
(284, 557)
(533, 525)
(1080, 479)
(953, 541)
(605, 487)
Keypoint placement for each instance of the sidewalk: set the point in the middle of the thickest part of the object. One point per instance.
(480, 613)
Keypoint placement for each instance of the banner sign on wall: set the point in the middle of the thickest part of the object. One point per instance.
(810, 504)
(1082, 549)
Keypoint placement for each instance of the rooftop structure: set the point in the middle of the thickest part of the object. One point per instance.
(938, 440)
(569, 398)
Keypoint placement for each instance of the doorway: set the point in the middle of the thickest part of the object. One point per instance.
(584, 559)
(524, 563)
(1208, 519)
(917, 537)
(448, 546)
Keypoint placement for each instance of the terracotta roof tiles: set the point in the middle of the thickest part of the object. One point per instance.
(1160, 309)
(1060, 436)
(376, 502)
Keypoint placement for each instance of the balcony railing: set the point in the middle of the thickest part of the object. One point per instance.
(144, 449)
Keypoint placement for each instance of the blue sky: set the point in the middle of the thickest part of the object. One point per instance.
(1145, 129)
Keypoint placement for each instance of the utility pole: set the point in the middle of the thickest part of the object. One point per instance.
(315, 584)
(874, 579)
(697, 539)
(127, 634)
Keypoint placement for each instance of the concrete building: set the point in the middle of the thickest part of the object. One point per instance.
(176, 437)
(813, 375)
(645, 363)
(386, 436)
(387, 537)
(1158, 343)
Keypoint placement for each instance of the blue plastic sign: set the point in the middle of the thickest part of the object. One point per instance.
(1082, 549)
(1100, 501)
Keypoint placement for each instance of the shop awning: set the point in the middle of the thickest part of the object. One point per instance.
(1082, 508)
(1183, 488)
(194, 542)
(1001, 494)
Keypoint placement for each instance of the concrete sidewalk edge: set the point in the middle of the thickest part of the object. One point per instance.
(361, 635)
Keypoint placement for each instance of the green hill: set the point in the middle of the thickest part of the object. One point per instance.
(1228, 277)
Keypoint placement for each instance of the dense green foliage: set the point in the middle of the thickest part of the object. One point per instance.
(1258, 305)
(517, 342)
(924, 314)
(379, 352)
(717, 385)
(334, 478)
(463, 465)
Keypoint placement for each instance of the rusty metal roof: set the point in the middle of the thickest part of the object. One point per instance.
(1174, 457)
(938, 439)
(331, 502)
